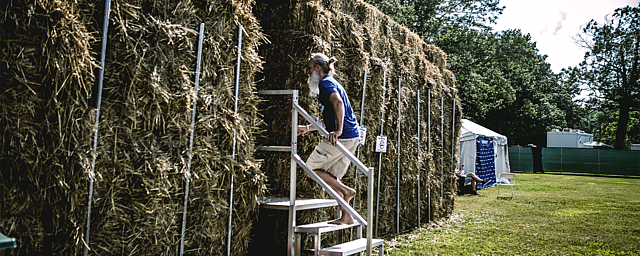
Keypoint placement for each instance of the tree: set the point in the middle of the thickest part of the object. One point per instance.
(429, 18)
(401, 11)
(611, 65)
(503, 82)
(435, 17)
(505, 85)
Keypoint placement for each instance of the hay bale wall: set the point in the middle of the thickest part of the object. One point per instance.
(362, 38)
(49, 55)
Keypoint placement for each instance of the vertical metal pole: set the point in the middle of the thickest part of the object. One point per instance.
(419, 170)
(429, 152)
(233, 154)
(560, 160)
(369, 210)
(384, 86)
(598, 160)
(364, 90)
(519, 158)
(94, 153)
(398, 174)
(190, 152)
(442, 147)
(292, 176)
(453, 138)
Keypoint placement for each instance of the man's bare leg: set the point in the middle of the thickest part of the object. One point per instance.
(475, 177)
(343, 191)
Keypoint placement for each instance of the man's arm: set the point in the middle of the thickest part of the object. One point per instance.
(302, 129)
(338, 108)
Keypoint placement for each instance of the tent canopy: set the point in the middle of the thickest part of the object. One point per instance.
(471, 130)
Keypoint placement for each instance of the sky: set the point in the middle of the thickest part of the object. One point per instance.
(553, 24)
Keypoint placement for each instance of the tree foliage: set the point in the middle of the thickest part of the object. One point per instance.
(611, 68)
(504, 83)
(429, 18)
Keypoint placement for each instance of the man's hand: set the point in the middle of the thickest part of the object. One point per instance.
(333, 137)
(302, 130)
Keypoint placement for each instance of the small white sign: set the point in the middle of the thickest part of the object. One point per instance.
(381, 144)
(363, 134)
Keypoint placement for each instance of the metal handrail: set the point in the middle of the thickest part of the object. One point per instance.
(329, 190)
(339, 145)
(369, 172)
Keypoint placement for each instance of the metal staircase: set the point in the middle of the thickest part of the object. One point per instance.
(292, 205)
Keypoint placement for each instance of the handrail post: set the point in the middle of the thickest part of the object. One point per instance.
(369, 210)
(292, 186)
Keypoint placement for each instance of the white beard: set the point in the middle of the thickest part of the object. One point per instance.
(313, 81)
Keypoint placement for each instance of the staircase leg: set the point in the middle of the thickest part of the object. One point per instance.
(339, 234)
(317, 243)
(296, 244)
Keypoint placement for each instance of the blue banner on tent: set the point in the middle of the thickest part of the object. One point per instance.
(485, 161)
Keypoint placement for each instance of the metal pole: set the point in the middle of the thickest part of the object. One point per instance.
(453, 138)
(519, 158)
(190, 152)
(364, 89)
(429, 151)
(233, 154)
(384, 86)
(598, 160)
(369, 211)
(442, 147)
(292, 176)
(94, 153)
(418, 158)
(398, 173)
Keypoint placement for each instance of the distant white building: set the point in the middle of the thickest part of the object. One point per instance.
(568, 138)
(635, 146)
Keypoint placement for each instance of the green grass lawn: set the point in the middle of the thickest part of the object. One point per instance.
(550, 215)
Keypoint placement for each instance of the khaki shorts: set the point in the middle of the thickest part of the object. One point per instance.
(328, 158)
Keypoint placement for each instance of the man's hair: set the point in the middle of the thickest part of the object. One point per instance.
(324, 62)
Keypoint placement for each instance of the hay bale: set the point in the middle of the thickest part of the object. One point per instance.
(49, 56)
(46, 73)
(362, 38)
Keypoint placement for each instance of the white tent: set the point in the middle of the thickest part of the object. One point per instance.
(469, 133)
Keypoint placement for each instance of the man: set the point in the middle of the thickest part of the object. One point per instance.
(338, 119)
(471, 177)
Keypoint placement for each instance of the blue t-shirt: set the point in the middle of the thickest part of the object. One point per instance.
(327, 86)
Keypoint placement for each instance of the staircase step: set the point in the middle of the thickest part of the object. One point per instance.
(301, 204)
(323, 227)
(352, 247)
